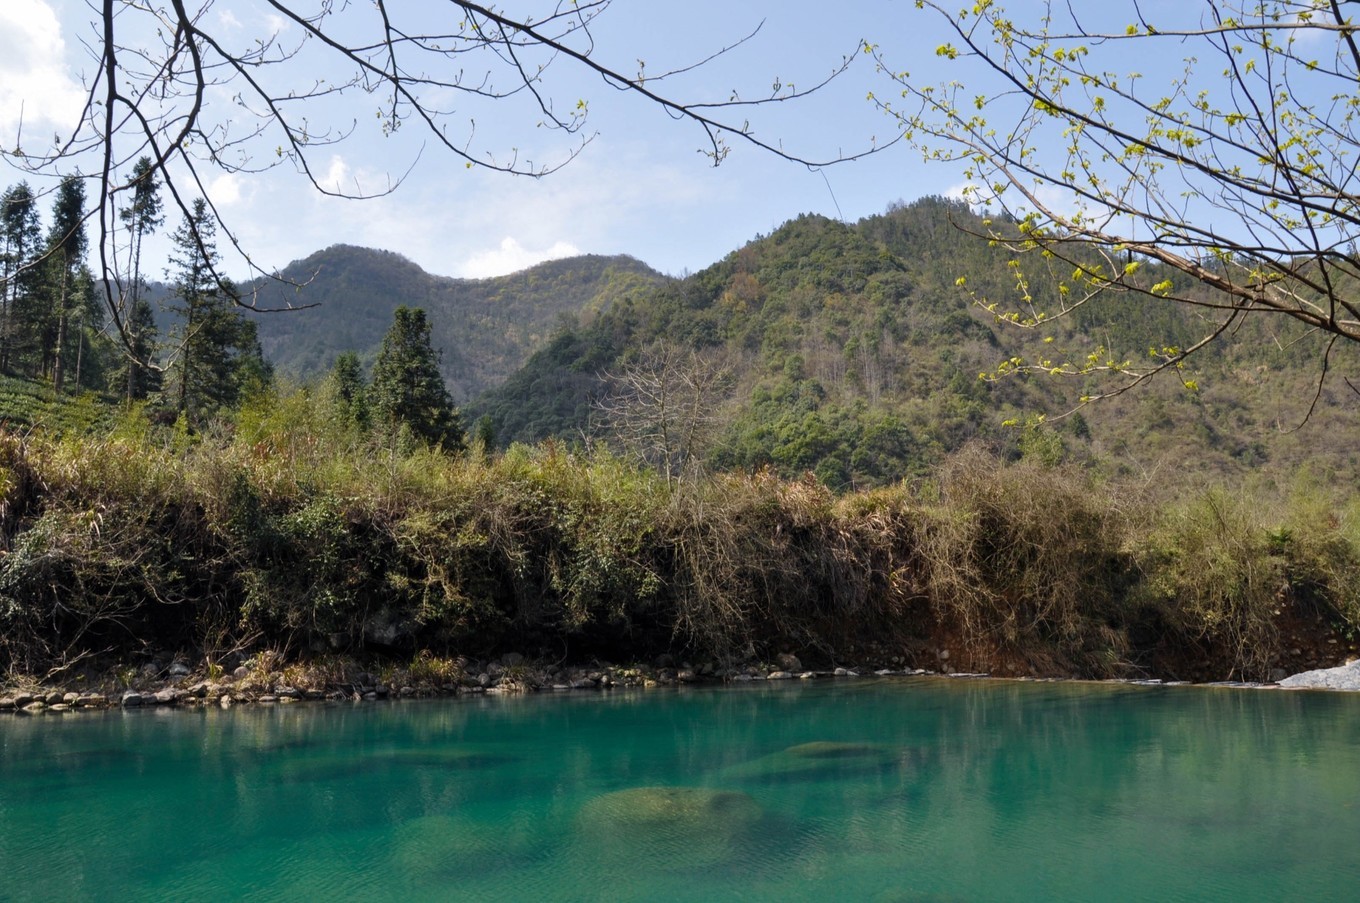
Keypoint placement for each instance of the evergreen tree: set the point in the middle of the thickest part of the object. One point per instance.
(219, 356)
(20, 238)
(142, 217)
(66, 244)
(407, 389)
(347, 382)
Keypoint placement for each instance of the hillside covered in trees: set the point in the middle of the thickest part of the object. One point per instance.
(864, 354)
(485, 328)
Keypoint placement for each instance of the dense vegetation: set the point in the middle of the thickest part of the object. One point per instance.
(295, 529)
(791, 450)
(852, 352)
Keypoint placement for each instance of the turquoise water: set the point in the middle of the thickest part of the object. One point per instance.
(893, 790)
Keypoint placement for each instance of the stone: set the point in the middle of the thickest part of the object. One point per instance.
(686, 676)
(241, 673)
(1277, 675)
(179, 669)
(60, 707)
(583, 683)
(788, 662)
(511, 659)
(54, 697)
(670, 828)
(778, 675)
(22, 699)
(1345, 677)
(168, 696)
(268, 699)
(6, 702)
(664, 660)
(70, 698)
(807, 675)
(226, 701)
(131, 699)
(34, 707)
(845, 672)
(287, 692)
(92, 700)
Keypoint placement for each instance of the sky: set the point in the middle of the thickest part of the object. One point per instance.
(640, 187)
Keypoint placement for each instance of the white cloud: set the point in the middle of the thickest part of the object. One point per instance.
(36, 89)
(226, 190)
(511, 257)
(337, 176)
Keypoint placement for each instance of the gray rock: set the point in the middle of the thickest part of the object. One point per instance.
(779, 675)
(286, 692)
(845, 672)
(168, 696)
(92, 700)
(1345, 677)
(70, 698)
(179, 669)
(22, 699)
(131, 699)
(34, 707)
(788, 662)
(583, 683)
(268, 699)
(807, 675)
(241, 673)
(55, 697)
(226, 701)
(1277, 675)
(6, 702)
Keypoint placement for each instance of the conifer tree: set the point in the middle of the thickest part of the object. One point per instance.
(218, 348)
(20, 247)
(66, 245)
(141, 217)
(407, 390)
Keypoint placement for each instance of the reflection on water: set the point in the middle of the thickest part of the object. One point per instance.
(921, 790)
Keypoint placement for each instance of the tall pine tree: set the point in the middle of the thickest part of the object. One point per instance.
(20, 249)
(218, 351)
(66, 246)
(142, 216)
(407, 392)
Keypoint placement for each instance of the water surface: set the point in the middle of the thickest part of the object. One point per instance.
(894, 790)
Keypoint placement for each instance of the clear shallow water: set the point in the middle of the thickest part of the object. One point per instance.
(920, 790)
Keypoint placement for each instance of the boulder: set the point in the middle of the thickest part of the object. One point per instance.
(1345, 677)
(788, 662)
(131, 699)
(819, 760)
(670, 828)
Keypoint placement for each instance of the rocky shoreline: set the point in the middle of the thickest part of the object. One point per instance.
(175, 684)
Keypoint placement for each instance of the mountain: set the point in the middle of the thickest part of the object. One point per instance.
(485, 328)
(851, 351)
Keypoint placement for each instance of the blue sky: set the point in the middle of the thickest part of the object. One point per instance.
(641, 187)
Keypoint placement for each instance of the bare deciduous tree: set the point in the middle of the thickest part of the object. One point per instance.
(663, 406)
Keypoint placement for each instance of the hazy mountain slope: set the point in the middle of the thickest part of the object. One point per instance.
(485, 328)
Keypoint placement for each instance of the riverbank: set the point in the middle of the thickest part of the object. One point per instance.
(336, 681)
(286, 543)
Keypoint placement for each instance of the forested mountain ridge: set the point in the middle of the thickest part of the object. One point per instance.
(485, 328)
(851, 350)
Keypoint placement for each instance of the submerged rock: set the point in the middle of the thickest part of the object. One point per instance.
(1345, 677)
(819, 760)
(670, 827)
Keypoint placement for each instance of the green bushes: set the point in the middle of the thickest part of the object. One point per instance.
(291, 529)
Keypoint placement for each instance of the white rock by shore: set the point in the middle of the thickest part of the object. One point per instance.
(1345, 677)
